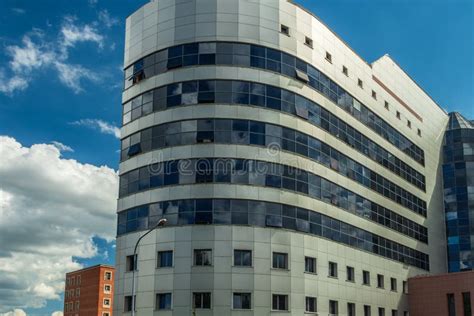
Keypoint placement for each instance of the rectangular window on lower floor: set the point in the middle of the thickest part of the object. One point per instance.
(451, 305)
(394, 312)
(106, 302)
(367, 310)
(351, 309)
(279, 302)
(350, 274)
(242, 301)
(393, 284)
(127, 303)
(332, 270)
(130, 264)
(163, 301)
(202, 300)
(333, 307)
(310, 264)
(365, 277)
(243, 258)
(107, 288)
(202, 257)
(466, 301)
(311, 304)
(380, 281)
(165, 259)
(381, 311)
(280, 260)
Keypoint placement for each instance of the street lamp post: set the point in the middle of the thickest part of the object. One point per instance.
(161, 222)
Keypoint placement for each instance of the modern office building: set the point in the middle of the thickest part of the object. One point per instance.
(89, 291)
(458, 177)
(295, 177)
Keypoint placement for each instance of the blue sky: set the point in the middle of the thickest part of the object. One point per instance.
(60, 85)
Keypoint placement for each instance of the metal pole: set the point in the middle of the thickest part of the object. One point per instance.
(161, 222)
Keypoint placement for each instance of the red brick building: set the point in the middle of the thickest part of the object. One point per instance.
(89, 291)
(450, 294)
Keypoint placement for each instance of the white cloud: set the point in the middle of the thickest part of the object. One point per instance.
(104, 127)
(61, 147)
(58, 313)
(18, 11)
(50, 208)
(20, 312)
(106, 19)
(35, 53)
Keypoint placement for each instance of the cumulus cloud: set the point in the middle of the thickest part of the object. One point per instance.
(36, 52)
(50, 209)
(61, 147)
(20, 312)
(102, 126)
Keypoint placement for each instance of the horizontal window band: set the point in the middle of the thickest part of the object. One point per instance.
(246, 93)
(265, 174)
(265, 214)
(275, 138)
(256, 56)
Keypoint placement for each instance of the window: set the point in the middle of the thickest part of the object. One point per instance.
(374, 94)
(332, 269)
(345, 70)
(381, 311)
(279, 302)
(380, 281)
(280, 260)
(387, 106)
(78, 280)
(394, 312)
(165, 259)
(310, 264)
(72, 281)
(408, 123)
(106, 302)
(405, 313)
(466, 302)
(351, 309)
(107, 288)
(329, 57)
(308, 41)
(393, 284)
(202, 300)
(130, 263)
(107, 275)
(405, 287)
(360, 83)
(419, 132)
(78, 305)
(301, 75)
(105, 314)
(243, 258)
(367, 310)
(71, 293)
(163, 301)
(285, 30)
(202, 257)
(451, 305)
(78, 292)
(350, 274)
(398, 115)
(310, 304)
(366, 277)
(242, 301)
(127, 303)
(333, 307)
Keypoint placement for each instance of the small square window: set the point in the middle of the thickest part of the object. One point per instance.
(310, 304)
(398, 115)
(243, 258)
(285, 29)
(332, 272)
(345, 70)
(165, 259)
(408, 124)
(202, 300)
(280, 260)
(310, 264)
(241, 301)
(279, 302)
(374, 94)
(387, 106)
(308, 41)
(202, 257)
(105, 314)
(106, 302)
(329, 57)
(163, 301)
(107, 288)
(360, 83)
(419, 132)
(108, 275)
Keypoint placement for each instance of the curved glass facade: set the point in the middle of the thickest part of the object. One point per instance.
(244, 132)
(458, 176)
(266, 214)
(271, 97)
(249, 55)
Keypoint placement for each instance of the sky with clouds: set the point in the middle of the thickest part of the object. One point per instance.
(60, 91)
